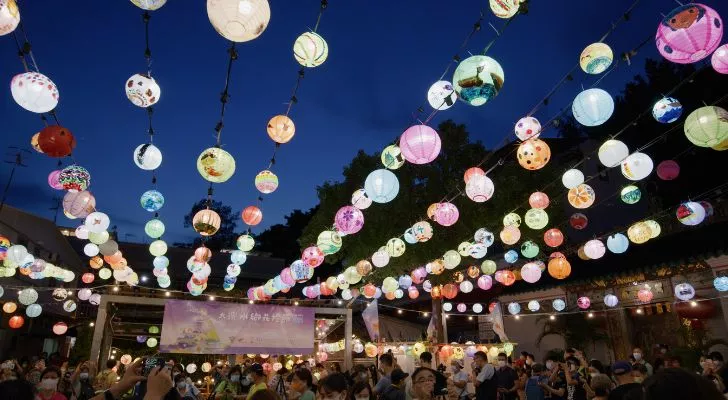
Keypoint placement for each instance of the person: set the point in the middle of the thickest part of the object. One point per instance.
(423, 384)
(386, 365)
(361, 391)
(708, 371)
(661, 353)
(673, 361)
(530, 359)
(33, 375)
(535, 385)
(556, 384)
(335, 368)
(601, 385)
(359, 373)
(265, 394)
(426, 359)
(440, 380)
(81, 381)
(256, 375)
(278, 382)
(720, 367)
(333, 387)
(521, 382)
(48, 385)
(395, 390)
(230, 387)
(107, 377)
(639, 358)
(180, 384)
(507, 377)
(679, 384)
(301, 384)
(16, 389)
(459, 378)
(486, 386)
(626, 386)
(10, 370)
(178, 370)
(639, 373)
(574, 381)
(521, 361)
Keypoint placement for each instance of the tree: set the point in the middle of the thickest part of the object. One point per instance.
(225, 237)
(576, 330)
(281, 240)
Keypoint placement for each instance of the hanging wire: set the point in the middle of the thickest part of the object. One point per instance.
(225, 95)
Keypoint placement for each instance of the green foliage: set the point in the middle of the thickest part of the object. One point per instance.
(576, 329)
(225, 237)
(81, 350)
(281, 240)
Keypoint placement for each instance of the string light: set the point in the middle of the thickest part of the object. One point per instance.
(91, 324)
(212, 298)
(552, 317)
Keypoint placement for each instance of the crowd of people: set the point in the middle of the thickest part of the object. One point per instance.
(570, 376)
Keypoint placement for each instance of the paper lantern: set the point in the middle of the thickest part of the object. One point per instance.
(16, 321)
(529, 249)
(478, 79)
(504, 8)
(252, 215)
(477, 308)
(389, 284)
(594, 249)
(684, 291)
(558, 304)
(507, 277)
(485, 282)
(392, 157)
(473, 271)
(559, 267)
(668, 170)
(60, 328)
(149, 5)
(478, 250)
(420, 144)
(395, 247)
(154, 228)
(449, 291)
(689, 33)
(87, 278)
(471, 172)
(69, 306)
(531, 272)
(33, 91)
(721, 283)
(630, 194)
(266, 182)
(158, 248)
(79, 204)
(536, 218)
(237, 257)
(484, 236)
(596, 58)
(329, 242)
(215, 164)
(583, 302)
(610, 300)
(720, 60)
(690, 213)
(447, 214)
(206, 222)
(553, 237)
(381, 186)
(53, 182)
(9, 307)
(582, 196)
(422, 231)
(488, 267)
(56, 141)
(441, 95)
(152, 200)
(461, 308)
(28, 296)
(534, 305)
(612, 152)
(639, 233)
(239, 21)
(202, 254)
(617, 243)
(281, 129)
(360, 199)
(514, 308)
(9, 16)
(512, 219)
(349, 220)
(311, 256)
(538, 200)
(510, 235)
(380, 258)
(637, 166)
(578, 221)
(592, 107)
(451, 259)
(143, 91)
(310, 49)
(533, 154)
(667, 110)
(527, 128)
(464, 248)
(645, 295)
(572, 178)
(707, 126)
(152, 342)
(479, 188)
(409, 236)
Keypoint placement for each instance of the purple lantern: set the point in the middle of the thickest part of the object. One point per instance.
(462, 307)
(583, 302)
(668, 170)
(419, 275)
(720, 59)
(53, 180)
(349, 220)
(689, 33)
(446, 214)
(485, 282)
(141, 339)
(420, 144)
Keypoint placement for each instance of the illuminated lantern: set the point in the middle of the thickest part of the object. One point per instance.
(266, 182)
(610, 300)
(158, 248)
(143, 91)
(149, 5)
(478, 79)
(431, 210)
(582, 255)
(559, 267)
(592, 107)
(536, 218)
(721, 283)
(451, 259)
(447, 214)
(645, 295)
(485, 282)
(74, 178)
(720, 60)
(527, 128)
(360, 199)
(389, 284)
(252, 215)
(538, 200)
(69, 306)
(612, 152)
(668, 170)
(96, 262)
(553, 237)
(310, 49)
(9, 16)
(461, 308)
(404, 281)
(583, 302)
(559, 304)
(512, 219)
(637, 166)
(639, 233)
(9, 307)
(363, 267)
(392, 157)
(479, 188)
(33, 91)
(473, 271)
(79, 204)
(216, 165)
(152, 200)
(507, 277)
(435, 267)
(87, 278)
(154, 228)
(349, 220)
(533, 154)
(690, 213)
(705, 127)
(60, 328)
(16, 321)
(53, 182)
(534, 305)
(381, 186)
(594, 249)
(422, 231)
(684, 291)
(504, 8)
(329, 242)
(572, 178)
(56, 141)
(578, 221)
(488, 267)
(530, 272)
(596, 58)
(667, 110)
(630, 194)
(418, 275)
(471, 172)
(511, 256)
(464, 248)
(409, 236)
(202, 254)
(689, 33)
(582, 196)
(484, 237)
(239, 21)
(510, 235)
(529, 249)
(380, 258)
(449, 291)
(152, 342)
(477, 308)
(312, 256)
(617, 243)
(441, 95)
(420, 144)
(395, 247)
(207, 222)
(28, 296)
(514, 308)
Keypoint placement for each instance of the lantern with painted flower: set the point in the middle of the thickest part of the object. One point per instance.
(592, 107)
(152, 200)
(596, 58)
(582, 196)
(447, 214)
(149, 5)
(312, 256)
(142, 90)
(216, 165)
(583, 302)
(349, 220)
(478, 79)
(471, 172)
(395, 247)
(594, 249)
(689, 33)
(536, 218)
(420, 144)
(630, 194)
(479, 188)
(392, 157)
(617, 243)
(690, 213)
(266, 182)
(707, 126)
(533, 154)
(33, 91)
(531, 272)
(239, 21)
(360, 199)
(645, 295)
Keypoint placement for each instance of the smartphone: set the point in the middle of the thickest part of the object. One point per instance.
(151, 363)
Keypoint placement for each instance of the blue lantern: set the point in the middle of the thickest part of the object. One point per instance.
(514, 308)
(160, 262)
(405, 281)
(721, 283)
(617, 243)
(152, 200)
(559, 305)
(511, 256)
(381, 186)
(667, 110)
(592, 107)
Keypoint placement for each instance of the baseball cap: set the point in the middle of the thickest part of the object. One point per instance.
(257, 368)
(621, 368)
(398, 375)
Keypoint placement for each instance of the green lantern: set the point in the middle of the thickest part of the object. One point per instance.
(392, 157)
(707, 126)
(154, 228)
(329, 242)
(529, 249)
(245, 242)
(158, 248)
(488, 267)
(631, 194)
(98, 237)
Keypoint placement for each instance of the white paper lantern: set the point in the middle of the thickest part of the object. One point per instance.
(97, 222)
(594, 249)
(559, 304)
(637, 166)
(380, 259)
(466, 286)
(27, 296)
(447, 307)
(33, 310)
(592, 107)
(142, 90)
(690, 213)
(534, 305)
(612, 153)
(572, 178)
(84, 294)
(360, 199)
(149, 5)
(147, 157)
(239, 20)
(310, 49)
(90, 249)
(514, 308)
(611, 300)
(477, 308)
(34, 92)
(16, 253)
(191, 368)
(95, 299)
(104, 273)
(441, 95)
(684, 291)
(9, 16)
(527, 128)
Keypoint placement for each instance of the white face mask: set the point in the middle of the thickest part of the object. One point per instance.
(48, 384)
(549, 364)
(235, 378)
(83, 375)
(181, 385)
(501, 363)
(529, 362)
(637, 356)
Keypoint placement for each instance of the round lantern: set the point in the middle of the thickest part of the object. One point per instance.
(684, 291)
(689, 33)
(449, 291)
(720, 60)
(572, 178)
(559, 305)
(409, 236)
(9, 307)
(529, 249)
(594, 249)
(478, 79)
(721, 283)
(239, 21)
(611, 300)
(152, 200)
(617, 243)
(152, 342)
(16, 321)
(583, 302)
(485, 282)
(478, 250)
(479, 188)
(392, 157)
(510, 256)
(154, 228)
(79, 204)
(531, 272)
(60, 328)
(143, 91)
(380, 258)
(507, 277)
(33, 91)
(447, 214)
(559, 267)
(667, 110)
(69, 306)
(420, 144)
(612, 152)
(87, 278)
(477, 308)
(28, 296)
(466, 286)
(329, 242)
(266, 182)
(310, 49)
(461, 308)
(582, 196)
(395, 247)
(527, 128)
(538, 200)
(488, 267)
(553, 237)
(59, 294)
(360, 199)
(533, 154)
(512, 219)
(252, 215)
(484, 237)
(312, 256)
(206, 222)
(56, 141)
(216, 165)
(668, 170)
(381, 186)
(281, 129)
(451, 259)
(690, 213)
(645, 295)
(639, 233)
(53, 182)
(637, 166)
(504, 8)
(441, 95)
(74, 178)
(158, 248)
(510, 235)
(707, 126)
(33, 310)
(9, 16)
(422, 231)
(592, 107)
(534, 305)
(149, 5)
(464, 248)
(536, 218)
(596, 58)
(349, 220)
(514, 308)
(630, 194)
(471, 172)
(578, 221)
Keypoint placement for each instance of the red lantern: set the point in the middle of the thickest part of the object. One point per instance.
(449, 291)
(645, 295)
(578, 221)
(539, 200)
(508, 278)
(87, 277)
(553, 237)
(16, 321)
(472, 172)
(56, 141)
(369, 290)
(252, 215)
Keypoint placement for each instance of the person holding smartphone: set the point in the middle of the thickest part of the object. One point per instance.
(574, 381)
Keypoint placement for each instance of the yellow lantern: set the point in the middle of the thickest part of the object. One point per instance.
(536, 218)
(310, 49)
(512, 219)
(639, 233)
(582, 196)
(418, 348)
(281, 129)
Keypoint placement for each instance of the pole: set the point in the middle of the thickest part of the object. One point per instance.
(348, 364)
(99, 328)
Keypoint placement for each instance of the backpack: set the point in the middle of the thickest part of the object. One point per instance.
(533, 390)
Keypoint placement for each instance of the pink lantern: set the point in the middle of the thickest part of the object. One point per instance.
(510, 235)
(668, 170)
(471, 172)
(462, 307)
(420, 144)
(720, 60)
(479, 188)
(53, 180)
(87, 277)
(539, 200)
(413, 293)
(349, 220)
(447, 214)
(583, 302)
(531, 272)
(553, 237)
(286, 277)
(485, 282)
(79, 204)
(312, 256)
(689, 33)
(60, 328)
(202, 254)
(645, 295)
(418, 275)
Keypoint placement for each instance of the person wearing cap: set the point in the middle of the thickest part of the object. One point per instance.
(395, 391)
(256, 375)
(626, 388)
(459, 378)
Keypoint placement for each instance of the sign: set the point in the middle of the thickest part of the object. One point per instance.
(371, 320)
(197, 327)
(485, 328)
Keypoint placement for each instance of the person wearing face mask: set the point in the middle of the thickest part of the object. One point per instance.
(361, 391)
(639, 358)
(486, 386)
(178, 370)
(720, 367)
(81, 381)
(626, 386)
(180, 384)
(459, 378)
(507, 377)
(48, 385)
(256, 375)
(333, 387)
(574, 381)
(230, 388)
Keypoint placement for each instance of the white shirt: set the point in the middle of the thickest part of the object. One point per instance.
(486, 373)
(461, 376)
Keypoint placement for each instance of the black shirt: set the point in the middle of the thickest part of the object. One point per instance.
(559, 383)
(506, 378)
(621, 391)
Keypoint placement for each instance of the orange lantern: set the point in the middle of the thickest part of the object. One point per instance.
(437, 267)
(16, 321)
(458, 277)
(10, 307)
(473, 271)
(252, 215)
(121, 264)
(553, 237)
(582, 196)
(114, 258)
(436, 292)
(582, 254)
(432, 210)
(363, 267)
(389, 296)
(449, 291)
(559, 267)
(508, 278)
(281, 129)
(24, 271)
(369, 290)
(533, 154)
(96, 262)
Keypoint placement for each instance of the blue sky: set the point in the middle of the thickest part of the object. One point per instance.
(383, 56)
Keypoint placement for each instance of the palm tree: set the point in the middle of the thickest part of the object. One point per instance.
(577, 331)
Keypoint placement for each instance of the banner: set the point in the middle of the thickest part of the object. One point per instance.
(371, 320)
(208, 327)
(498, 326)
